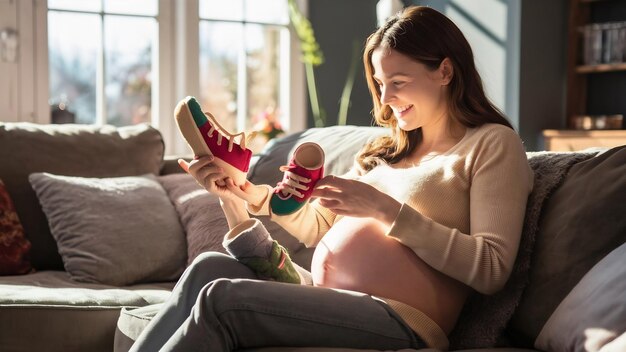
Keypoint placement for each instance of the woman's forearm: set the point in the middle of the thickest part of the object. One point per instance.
(235, 211)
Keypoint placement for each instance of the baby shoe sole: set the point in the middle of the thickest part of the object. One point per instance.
(191, 133)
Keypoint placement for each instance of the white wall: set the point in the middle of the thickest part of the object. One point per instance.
(8, 71)
(23, 96)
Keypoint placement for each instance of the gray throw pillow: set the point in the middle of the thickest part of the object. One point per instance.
(593, 315)
(72, 150)
(199, 212)
(116, 231)
(580, 224)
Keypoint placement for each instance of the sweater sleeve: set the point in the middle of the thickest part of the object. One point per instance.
(501, 180)
(310, 223)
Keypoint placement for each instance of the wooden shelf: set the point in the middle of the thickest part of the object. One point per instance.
(579, 76)
(601, 68)
(584, 133)
(591, 1)
(572, 140)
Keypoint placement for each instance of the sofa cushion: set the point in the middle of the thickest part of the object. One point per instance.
(581, 223)
(72, 150)
(116, 231)
(205, 223)
(315, 349)
(14, 247)
(35, 311)
(593, 315)
(131, 323)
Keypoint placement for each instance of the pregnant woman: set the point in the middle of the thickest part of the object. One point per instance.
(426, 215)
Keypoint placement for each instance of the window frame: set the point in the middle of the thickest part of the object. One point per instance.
(177, 64)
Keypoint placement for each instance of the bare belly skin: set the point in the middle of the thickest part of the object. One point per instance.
(356, 255)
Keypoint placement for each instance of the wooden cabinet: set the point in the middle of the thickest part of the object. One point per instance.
(591, 89)
(572, 140)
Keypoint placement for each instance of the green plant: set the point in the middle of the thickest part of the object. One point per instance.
(342, 119)
(312, 56)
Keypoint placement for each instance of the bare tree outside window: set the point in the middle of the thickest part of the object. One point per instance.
(100, 60)
(240, 59)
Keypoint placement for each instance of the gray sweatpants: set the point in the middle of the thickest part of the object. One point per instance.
(220, 305)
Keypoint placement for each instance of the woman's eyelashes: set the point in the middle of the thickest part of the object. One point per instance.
(396, 84)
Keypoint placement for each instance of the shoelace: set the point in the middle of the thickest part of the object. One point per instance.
(292, 182)
(221, 132)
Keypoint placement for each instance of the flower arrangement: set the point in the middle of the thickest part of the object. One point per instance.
(267, 124)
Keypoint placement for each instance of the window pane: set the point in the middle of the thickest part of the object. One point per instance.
(267, 11)
(133, 7)
(219, 53)
(263, 70)
(221, 9)
(128, 68)
(73, 58)
(76, 5)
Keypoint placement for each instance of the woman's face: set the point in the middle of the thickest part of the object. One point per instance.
(414, 93)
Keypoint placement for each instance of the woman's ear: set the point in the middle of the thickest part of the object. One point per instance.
(447, 71)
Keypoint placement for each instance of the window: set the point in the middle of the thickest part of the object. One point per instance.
(123, 62)
(101, 60)
(244, 59)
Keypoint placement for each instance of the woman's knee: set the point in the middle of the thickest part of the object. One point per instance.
(209, 257)
(227, 292)
(216, 265)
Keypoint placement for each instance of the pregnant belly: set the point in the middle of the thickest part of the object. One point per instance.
(356, 255)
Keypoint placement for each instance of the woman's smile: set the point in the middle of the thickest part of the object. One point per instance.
(401, 111)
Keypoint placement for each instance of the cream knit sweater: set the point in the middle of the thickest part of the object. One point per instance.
(462, 213)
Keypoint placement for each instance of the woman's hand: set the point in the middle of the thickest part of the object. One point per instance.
(213, 179)
(355, 198)
(210, 176)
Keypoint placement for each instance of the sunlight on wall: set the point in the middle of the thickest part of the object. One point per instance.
(483, 22)
(490, 14)
(485, 25)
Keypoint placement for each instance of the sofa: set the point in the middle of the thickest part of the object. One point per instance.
(110, 223)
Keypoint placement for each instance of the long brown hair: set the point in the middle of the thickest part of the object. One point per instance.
(428, 37)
